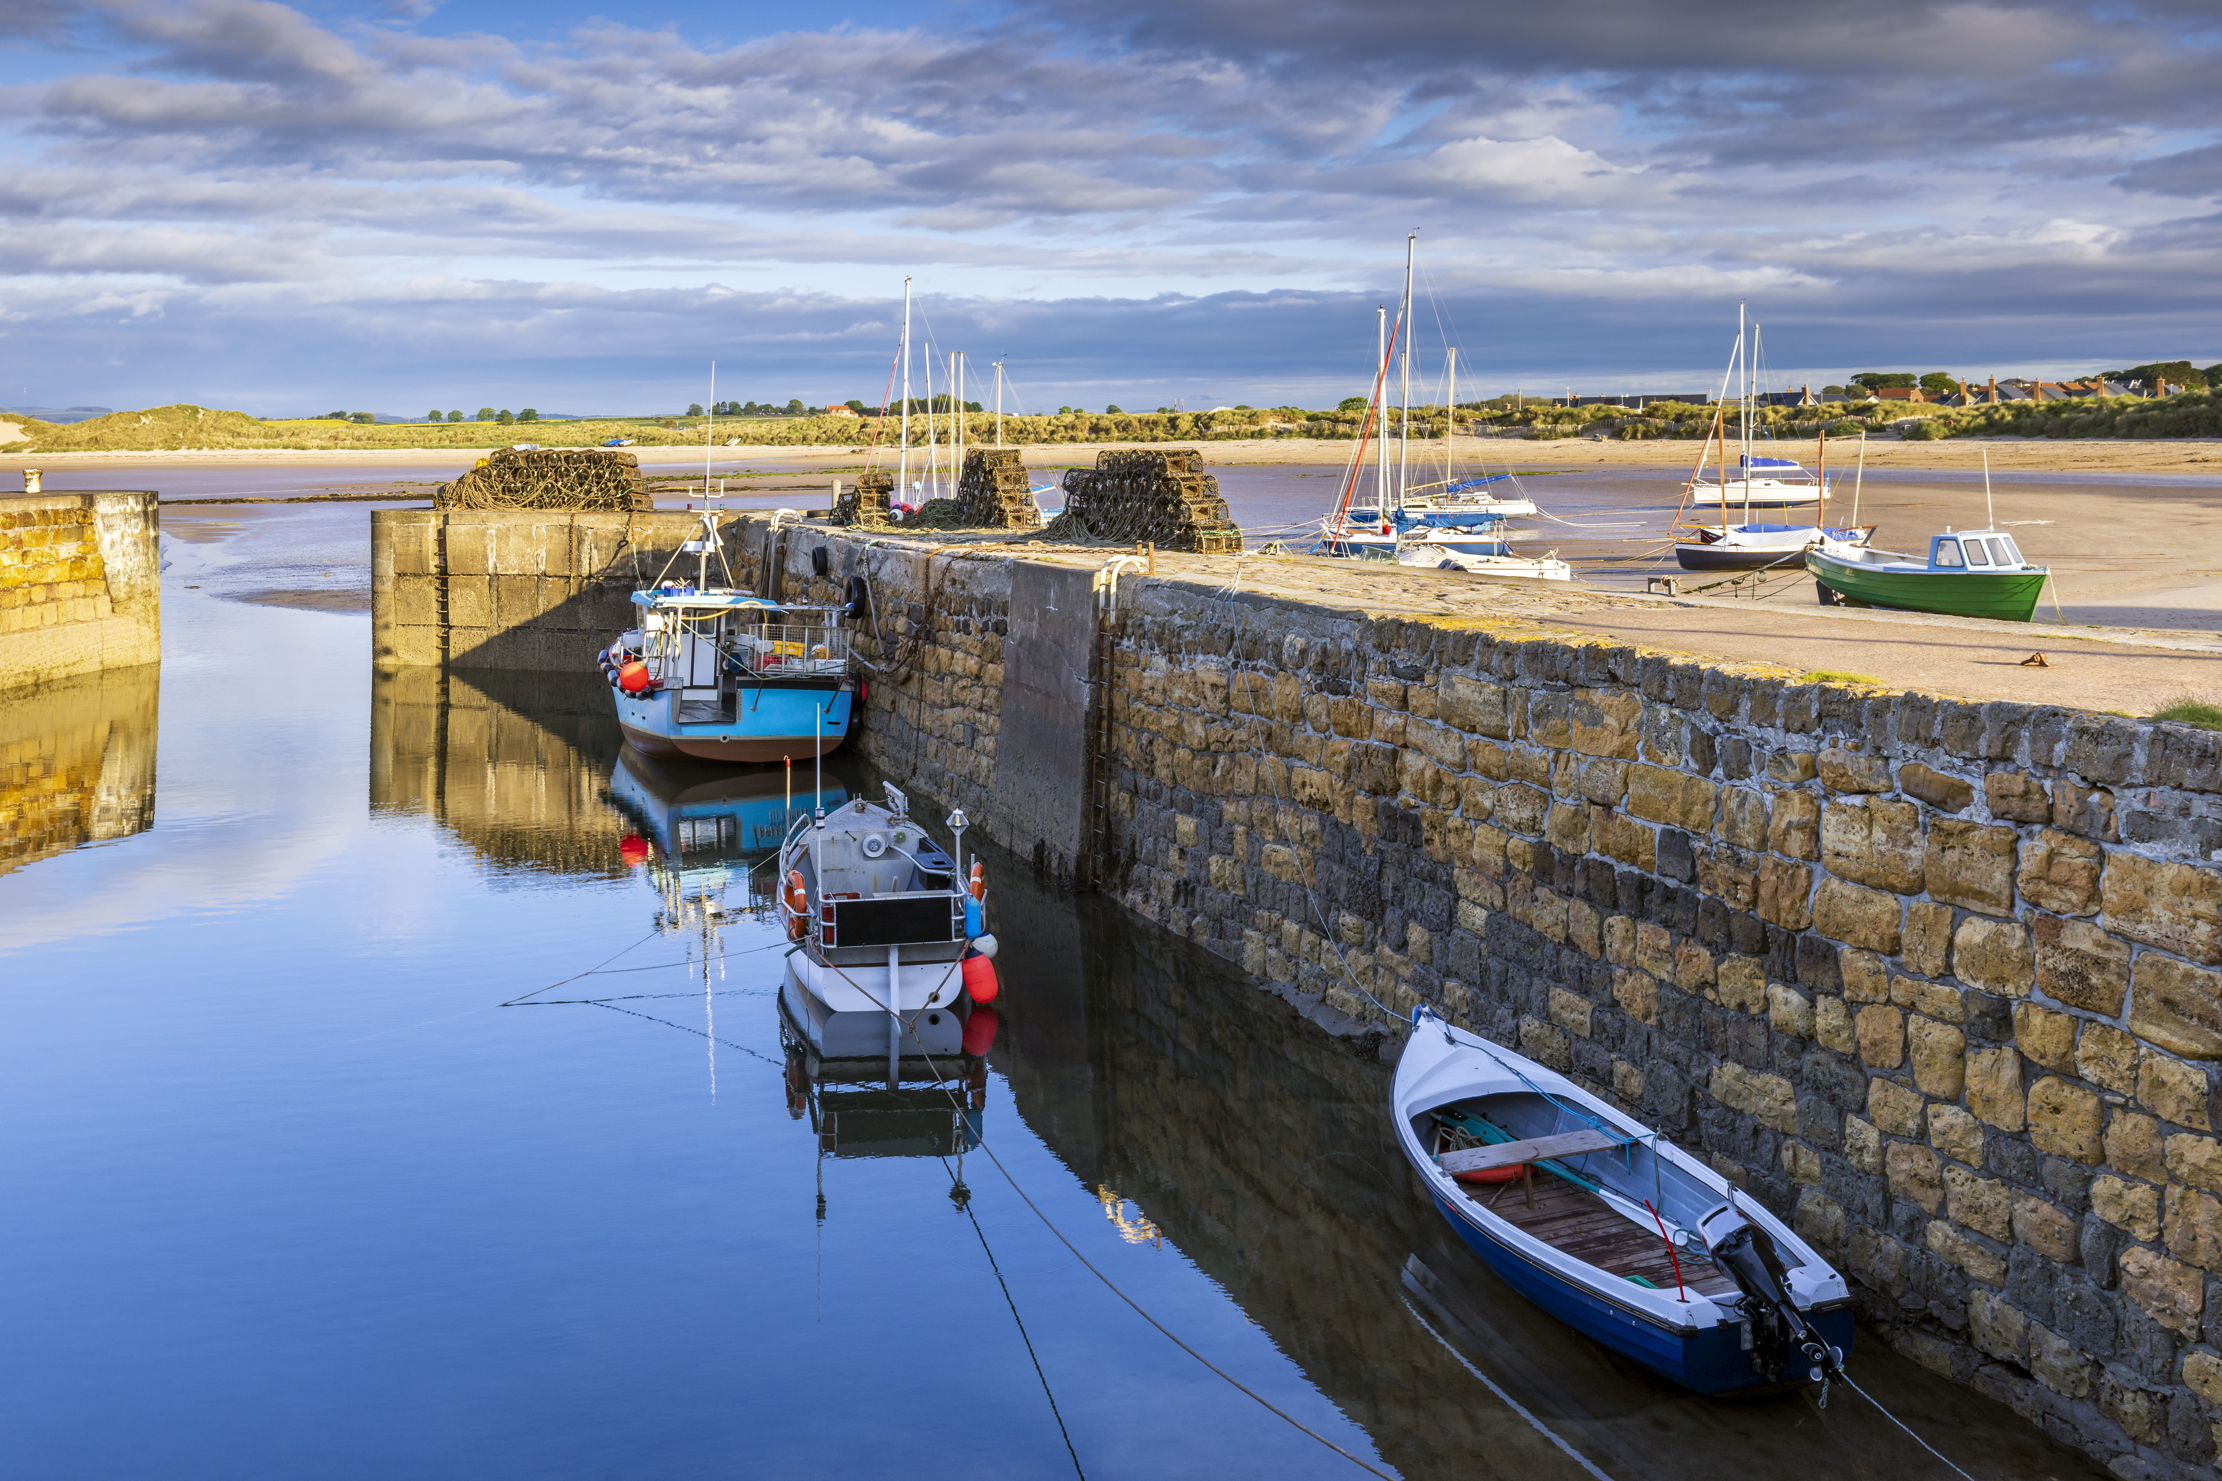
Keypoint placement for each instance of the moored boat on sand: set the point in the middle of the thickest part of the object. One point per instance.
(1604, 1224)
(1748, 547)
(1968, 573)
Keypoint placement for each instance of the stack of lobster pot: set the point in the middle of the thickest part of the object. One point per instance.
(865, 503)
(1164, 498)
(993, 491)
(549, 478)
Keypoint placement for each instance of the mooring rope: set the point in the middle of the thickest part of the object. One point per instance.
(1089, 1265)
(1894, 1419)
(1505, 1398)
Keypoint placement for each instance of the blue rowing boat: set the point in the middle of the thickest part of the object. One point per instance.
(1607, 1226)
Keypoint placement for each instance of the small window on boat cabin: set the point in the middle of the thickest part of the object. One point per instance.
(1947, 554)
(1976, 554)
(2002, 549)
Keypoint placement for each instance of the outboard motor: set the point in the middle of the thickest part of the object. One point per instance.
(1780, 1334)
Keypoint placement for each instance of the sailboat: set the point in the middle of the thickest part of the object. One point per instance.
(1451, 524)
(1763, 483)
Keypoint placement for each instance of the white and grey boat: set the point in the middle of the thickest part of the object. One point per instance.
(883, 926)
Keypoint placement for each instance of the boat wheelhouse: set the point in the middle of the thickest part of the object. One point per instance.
(1968, 573)
(721, 674)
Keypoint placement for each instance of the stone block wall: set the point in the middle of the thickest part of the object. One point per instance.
(512, 589)
(80, 584)
(1937, 981)
(77, 762)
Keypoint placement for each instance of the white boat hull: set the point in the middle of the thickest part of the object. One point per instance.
(839, 1010)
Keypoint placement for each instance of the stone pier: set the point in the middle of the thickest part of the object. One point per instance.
(80, 584)
(1938, 981)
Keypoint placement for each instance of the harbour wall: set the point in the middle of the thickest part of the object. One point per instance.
(1937, 981)
(521, 590)
(80, 584)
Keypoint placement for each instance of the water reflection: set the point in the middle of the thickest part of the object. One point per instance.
(1223, 1149)
(77, 763)
(515, 765)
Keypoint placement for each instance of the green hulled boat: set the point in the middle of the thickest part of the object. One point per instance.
(1969, 573)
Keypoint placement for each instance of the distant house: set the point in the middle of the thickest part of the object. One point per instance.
(1899, 393)
(1636, 400)
(840, 411)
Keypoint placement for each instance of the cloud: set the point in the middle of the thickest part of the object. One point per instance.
(1089, 182)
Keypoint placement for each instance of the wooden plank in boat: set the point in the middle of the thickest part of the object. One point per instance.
(1512, 1154)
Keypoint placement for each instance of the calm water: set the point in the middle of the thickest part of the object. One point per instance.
(289, 1194)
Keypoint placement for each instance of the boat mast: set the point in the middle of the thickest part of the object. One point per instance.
(1450, 409)
(998, 403)
(1404, 407)
(933, 448)
(902, 475)
(1373, 408)
(707, 423)
(956, 465)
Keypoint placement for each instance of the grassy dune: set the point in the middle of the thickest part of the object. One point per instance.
(187, 428)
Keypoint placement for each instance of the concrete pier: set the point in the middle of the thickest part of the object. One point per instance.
(80, 584)
(510, 589)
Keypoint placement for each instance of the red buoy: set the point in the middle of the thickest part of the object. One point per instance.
(633, 849)
(979, 979)
(633, 677)
(1493, 1174)
(979, 1031)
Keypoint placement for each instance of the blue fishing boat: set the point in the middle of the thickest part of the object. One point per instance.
(1604, 1224)
(721, 674)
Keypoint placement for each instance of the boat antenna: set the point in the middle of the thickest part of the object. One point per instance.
(1404, 404)
(998, 403)
(707, 423)
(1988, 517)
(902, 457)
(818, 766)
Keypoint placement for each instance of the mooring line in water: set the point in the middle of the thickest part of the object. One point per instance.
(637, 997)
(1894, 1419)
(688, 1027)
(589, 972)
(956, 1184)
(1113, 1286)
(1505, 1398)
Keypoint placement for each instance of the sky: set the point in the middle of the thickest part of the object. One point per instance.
(412, 204)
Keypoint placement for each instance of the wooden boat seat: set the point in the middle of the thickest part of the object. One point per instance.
(1536, 1149)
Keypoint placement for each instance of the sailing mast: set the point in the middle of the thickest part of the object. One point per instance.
(998, 403)
(956, 446)
(933, 448)
(1450, 410)
(902, 464)
(1745, 412)
(1404, 410)
(1373, 407)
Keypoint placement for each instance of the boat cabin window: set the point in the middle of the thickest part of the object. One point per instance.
(1977, 554)
(2004, 551)
(1947, 554)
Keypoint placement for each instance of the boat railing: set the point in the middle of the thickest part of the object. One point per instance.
(788, 650)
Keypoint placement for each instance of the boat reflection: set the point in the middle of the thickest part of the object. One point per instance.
(700, 829)
(77, 763)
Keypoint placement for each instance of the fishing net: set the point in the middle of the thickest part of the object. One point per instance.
(566, 479)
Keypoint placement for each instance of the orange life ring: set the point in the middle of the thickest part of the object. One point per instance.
(797, 900)
(979, 883)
